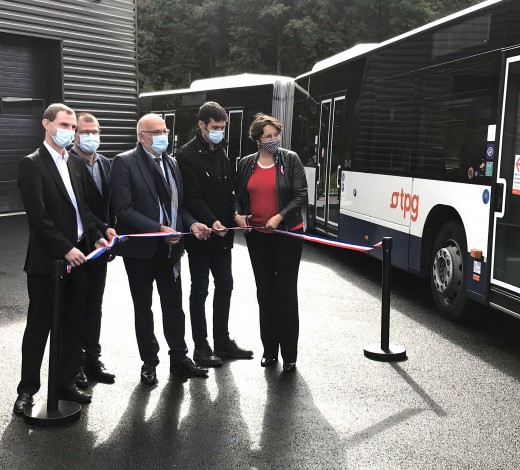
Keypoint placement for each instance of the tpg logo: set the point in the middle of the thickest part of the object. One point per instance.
(407, 202)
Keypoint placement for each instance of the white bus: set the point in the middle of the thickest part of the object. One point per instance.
(242, 96)
(418, 138)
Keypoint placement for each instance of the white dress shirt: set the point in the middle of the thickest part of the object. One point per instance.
(61, 164)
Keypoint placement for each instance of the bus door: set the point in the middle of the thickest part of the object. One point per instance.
(505, 268)
(234, 138)
(328, 169)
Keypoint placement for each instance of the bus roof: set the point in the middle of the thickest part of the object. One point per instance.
(361, 49)
(229, 81)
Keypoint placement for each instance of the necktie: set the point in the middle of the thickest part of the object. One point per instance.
(165, 171)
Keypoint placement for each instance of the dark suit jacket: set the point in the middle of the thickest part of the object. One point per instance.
(135, 201)
(53, 228)
(99, 203)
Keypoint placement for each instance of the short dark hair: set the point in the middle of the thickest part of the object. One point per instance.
(87, 117)
(53, 109)
(261, 120)
(212, 110)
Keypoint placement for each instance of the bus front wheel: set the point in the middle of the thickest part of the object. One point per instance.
(448, 271)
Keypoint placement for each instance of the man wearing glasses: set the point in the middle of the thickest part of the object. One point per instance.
(97, 171)
(147, 196)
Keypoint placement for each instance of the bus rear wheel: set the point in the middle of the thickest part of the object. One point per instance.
(448, 271)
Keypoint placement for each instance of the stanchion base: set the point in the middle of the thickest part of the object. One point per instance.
(67, 412)
(393, 353)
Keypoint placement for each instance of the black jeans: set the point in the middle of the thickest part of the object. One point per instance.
(96, 278)
(141, 274)
(39, 322)
(201, 263)
(276, 262)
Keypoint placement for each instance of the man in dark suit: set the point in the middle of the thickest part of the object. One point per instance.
(52, 186)
(147, 197)
(86, 143)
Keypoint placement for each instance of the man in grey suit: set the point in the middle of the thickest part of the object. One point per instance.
(147, 196)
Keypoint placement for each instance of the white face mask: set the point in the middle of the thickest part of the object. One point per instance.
(63, 137)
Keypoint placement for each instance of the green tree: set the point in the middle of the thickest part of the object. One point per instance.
(183, 40)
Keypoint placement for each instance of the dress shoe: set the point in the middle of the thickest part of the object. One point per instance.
(232, 349)
(73, 393)
(148, 374)
(81, 378)
(205, 356)
(97, 372)
(268, 361)
(24, 400)
(289, 366)
(188, 368)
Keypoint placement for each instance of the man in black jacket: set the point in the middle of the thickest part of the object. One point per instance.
(97, 171)
(147, 197)
(208, 190)
(52, 185)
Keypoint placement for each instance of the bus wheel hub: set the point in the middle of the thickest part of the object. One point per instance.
(447, 272)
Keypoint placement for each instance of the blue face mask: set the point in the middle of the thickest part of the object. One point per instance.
(63, 137)
(89, 143)
(159, 143)
(215, 136)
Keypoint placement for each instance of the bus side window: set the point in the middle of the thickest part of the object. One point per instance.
(455, 115)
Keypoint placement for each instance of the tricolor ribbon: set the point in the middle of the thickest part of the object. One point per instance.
(310, 238)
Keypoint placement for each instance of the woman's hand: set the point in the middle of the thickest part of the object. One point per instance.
(273, 222)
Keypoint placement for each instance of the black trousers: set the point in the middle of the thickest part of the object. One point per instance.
(96, 279)
(39, 323)
(201, 263)
(276, 261)
(141, 275)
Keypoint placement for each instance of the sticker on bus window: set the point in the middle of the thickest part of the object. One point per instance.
(516, 176)
(489, 168)
(490, 151)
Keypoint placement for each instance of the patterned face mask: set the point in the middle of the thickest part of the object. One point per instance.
(271, 146)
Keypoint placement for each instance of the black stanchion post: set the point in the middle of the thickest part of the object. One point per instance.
(55, 411)
(385, 351)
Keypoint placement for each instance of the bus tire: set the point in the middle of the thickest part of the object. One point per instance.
(448, 271)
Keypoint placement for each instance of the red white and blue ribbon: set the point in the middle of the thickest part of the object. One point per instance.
(310, 238)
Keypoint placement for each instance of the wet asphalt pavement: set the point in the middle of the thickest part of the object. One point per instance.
(453, 404)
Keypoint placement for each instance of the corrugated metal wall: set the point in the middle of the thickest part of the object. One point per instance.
(99, 57)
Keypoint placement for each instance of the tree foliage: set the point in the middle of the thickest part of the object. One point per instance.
(183, 40)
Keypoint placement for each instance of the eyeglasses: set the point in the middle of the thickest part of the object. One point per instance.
(93, 132)
(271, 136)
(157, 132)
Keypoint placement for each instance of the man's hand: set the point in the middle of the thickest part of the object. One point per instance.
(110, 233)
(101, 242)
(201, 231)
(242, 221)
(75, 257)
(219, 229)
(171, 240)
(273, 222)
